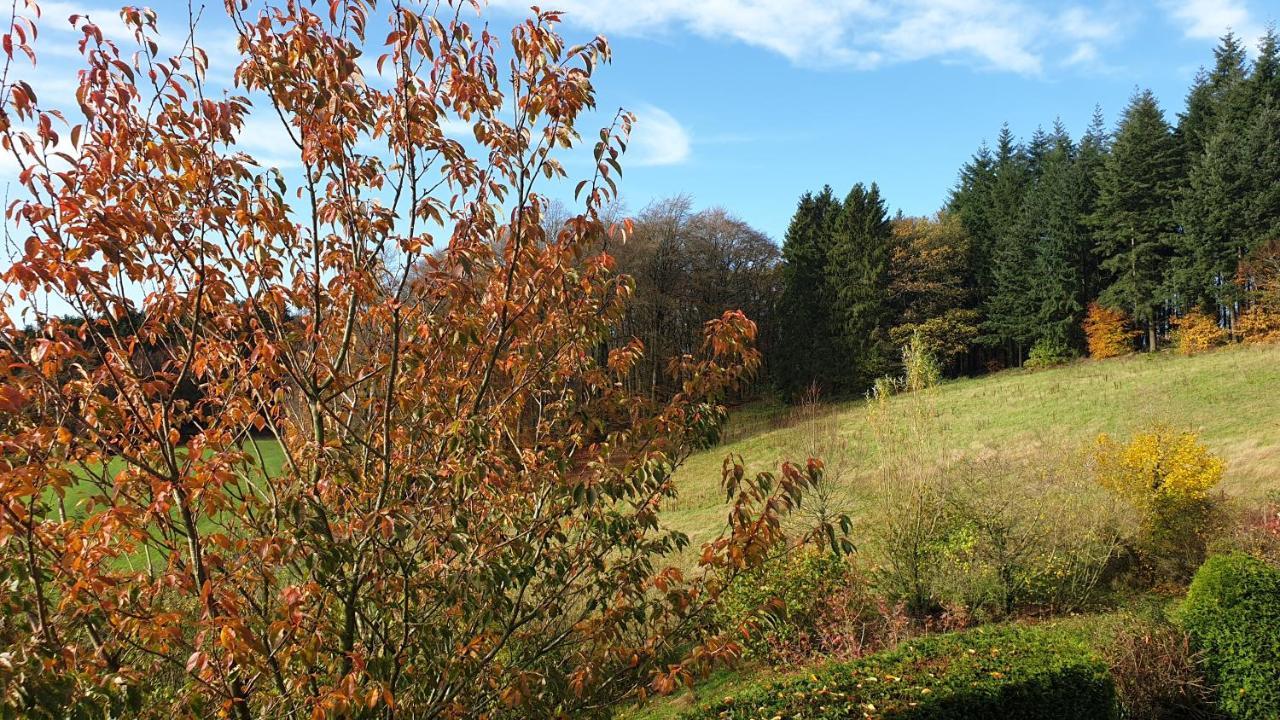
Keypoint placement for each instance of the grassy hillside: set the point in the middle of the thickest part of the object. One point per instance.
(1231, 397)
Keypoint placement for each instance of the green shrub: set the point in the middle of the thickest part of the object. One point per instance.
(791, 589)
(1047, 353)
(1006, 672)
(1232, 613)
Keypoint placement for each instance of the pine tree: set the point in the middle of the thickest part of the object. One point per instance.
(858, 277)
(1207, 95)
(971, 202)
(1134, 219)
(1213, 208)
(1010, 306)
(1060, 204)
(806, 352)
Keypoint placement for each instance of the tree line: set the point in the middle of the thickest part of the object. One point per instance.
(1155, 220)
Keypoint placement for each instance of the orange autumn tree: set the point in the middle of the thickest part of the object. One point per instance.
(466, 518)
(1107, 332)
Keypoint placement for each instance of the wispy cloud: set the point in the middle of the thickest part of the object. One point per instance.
(1006, 35)
(1209, 19)
(658, 139)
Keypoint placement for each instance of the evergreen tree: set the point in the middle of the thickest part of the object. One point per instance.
(806, 352)
(972, 203)
(1134, 219)
(1208, 94)
(858, 277)
(1010, 306)
(1059, 205)
(1213, 208)
(1091, 160)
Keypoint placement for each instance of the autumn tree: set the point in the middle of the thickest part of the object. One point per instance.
(465, 520)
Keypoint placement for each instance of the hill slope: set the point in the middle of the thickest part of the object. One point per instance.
(1230, 397)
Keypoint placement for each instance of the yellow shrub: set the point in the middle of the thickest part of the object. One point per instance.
(1197, 332)
(1161, 462)
(1166, 476)
(1259, 324)
(1107, 332)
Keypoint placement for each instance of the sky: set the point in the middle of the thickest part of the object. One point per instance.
(746, 104)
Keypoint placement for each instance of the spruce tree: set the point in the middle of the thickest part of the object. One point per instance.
(971, 202)
(1060, 204)
(1134, 219)
(806, 353)
(1213, 208)
(858, 277)
(1207, 96)
(1010, 306)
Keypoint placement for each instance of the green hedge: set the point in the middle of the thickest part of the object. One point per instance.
(996, 672)
(1232, 614)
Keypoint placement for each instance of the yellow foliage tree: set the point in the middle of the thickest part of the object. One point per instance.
(1166, 475)
(1197, 332)
(1107, 332)
(1259, 324)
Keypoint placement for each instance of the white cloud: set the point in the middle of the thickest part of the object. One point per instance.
(658, 138)
(1210, 19)
(1007, 35)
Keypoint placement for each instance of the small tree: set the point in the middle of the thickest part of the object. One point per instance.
(1107, 332)
(466, 518)
(1196, 332)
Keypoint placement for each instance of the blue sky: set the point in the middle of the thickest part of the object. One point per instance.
(747, 103)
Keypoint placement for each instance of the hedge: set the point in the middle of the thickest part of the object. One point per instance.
(1232, 615)
(997, 672)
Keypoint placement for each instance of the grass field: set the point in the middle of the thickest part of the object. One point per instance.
(1231, 397)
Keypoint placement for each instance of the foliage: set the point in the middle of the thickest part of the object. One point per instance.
(1047, 353)
(948, 337)
(1259, 324)
(1107, 332)
(1166, 476)
(468, 518)
(1197, 332)
(788, 594)
(1023, 536)
(920, 367)
(1134, 214)
(1232, 613)
(1011, 672)
(1155, 671)
(857, 274)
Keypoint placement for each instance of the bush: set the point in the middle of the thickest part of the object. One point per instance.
(920, 367)
(1107, 332)
(1232, 613)
(1196, 332)
(1047, 353)
(1025, 534)
(1259, 324)
(1155, 672)
(1167, 477)
(1007, 672)
(792, 588)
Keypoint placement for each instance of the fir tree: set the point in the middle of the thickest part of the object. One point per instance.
(1134, 219)
(1010, 306)
(806, 353)
(1060, 204)
(858, 275)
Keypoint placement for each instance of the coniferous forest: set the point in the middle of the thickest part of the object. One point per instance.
(1166, 220)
